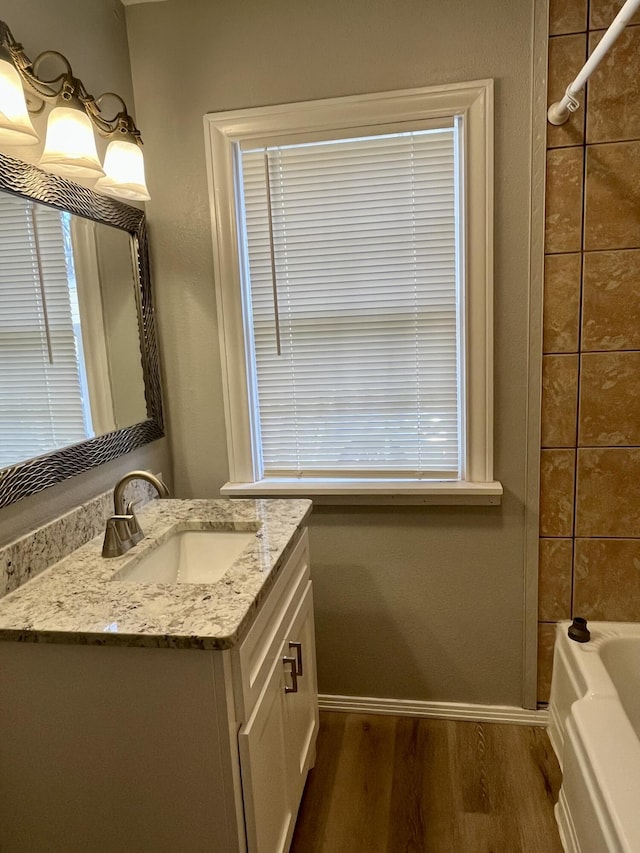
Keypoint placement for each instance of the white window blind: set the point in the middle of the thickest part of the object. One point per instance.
(353, 294)
(40, 385)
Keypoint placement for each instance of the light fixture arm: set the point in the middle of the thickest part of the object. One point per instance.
(47, 89)
(120, 123)
(65, 86)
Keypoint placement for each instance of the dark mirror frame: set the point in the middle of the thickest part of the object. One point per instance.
(26, 478)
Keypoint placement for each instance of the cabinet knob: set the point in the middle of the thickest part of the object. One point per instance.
(287, 661)
(298, 648)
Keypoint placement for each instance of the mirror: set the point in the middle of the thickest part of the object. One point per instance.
(79, 381)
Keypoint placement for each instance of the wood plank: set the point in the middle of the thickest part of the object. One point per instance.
(405, 785)
(528, 775)
(407, 824)
(419, 820)
(361, 796)
(470, 760)
(315, 808)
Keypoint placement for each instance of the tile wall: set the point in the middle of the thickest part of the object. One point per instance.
(590, 456)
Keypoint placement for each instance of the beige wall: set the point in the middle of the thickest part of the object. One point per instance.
(421, 603)
(590, 501)
(93, 36)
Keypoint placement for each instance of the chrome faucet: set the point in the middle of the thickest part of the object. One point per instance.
(123, 530)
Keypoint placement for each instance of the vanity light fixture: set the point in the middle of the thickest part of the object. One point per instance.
(70, 147)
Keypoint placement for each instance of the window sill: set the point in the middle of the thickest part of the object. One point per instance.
(383, 492)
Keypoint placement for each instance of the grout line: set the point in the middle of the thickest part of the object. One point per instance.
(595, 251)
(592, 447)
(597, 536)
(588, 30)
(604, 29)
(580, 310)
(604, 142)
(599, 142)
(592, 352)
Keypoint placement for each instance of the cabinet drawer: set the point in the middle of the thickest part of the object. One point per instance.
(253, 658)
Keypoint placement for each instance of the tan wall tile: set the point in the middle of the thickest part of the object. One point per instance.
(561, 303)
(607, 579)
(614, 90)
(563, 214)
(567, 55)
(554, 582)
(604, 572)
(567, 16)
(546, 642)
(557, 474)
(611, 300)
(602, 13)
(559, 400)
(608, 492)
(610, 399)
(612, 209)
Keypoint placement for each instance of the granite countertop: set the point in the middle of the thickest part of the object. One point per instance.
(77, 600)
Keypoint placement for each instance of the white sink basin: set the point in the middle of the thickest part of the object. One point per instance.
(189, 556)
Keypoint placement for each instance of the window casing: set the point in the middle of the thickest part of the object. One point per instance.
(259, 275)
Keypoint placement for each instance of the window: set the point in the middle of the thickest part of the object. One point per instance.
(353, 248)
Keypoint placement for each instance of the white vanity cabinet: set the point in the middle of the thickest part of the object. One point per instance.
(277, 742)
(275, 673)
(162, 749)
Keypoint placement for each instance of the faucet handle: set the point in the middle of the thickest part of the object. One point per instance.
(135, 531)
(117, 536)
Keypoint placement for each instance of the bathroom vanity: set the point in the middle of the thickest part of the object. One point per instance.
(147, 715)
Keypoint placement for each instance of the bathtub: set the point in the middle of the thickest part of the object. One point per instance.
(594, 727)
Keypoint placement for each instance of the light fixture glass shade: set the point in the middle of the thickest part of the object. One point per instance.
(15, 124)
(124, 167)
(70, 147)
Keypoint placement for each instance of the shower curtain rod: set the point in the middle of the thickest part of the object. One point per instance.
(559, 111)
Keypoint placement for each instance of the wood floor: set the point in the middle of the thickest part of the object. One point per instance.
(409, 785)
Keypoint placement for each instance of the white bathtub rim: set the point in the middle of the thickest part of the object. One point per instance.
(584, 666)
(601, 632)
(609, 757)
(600, 745)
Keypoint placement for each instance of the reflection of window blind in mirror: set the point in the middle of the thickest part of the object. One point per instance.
(40, 379)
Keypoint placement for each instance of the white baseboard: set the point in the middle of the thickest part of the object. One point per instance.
(438, 710)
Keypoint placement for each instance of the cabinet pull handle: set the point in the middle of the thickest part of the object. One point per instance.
(294, 675)
(298, 648)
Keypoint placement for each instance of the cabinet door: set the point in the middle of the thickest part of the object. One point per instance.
(265, 763)
(302, 705)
